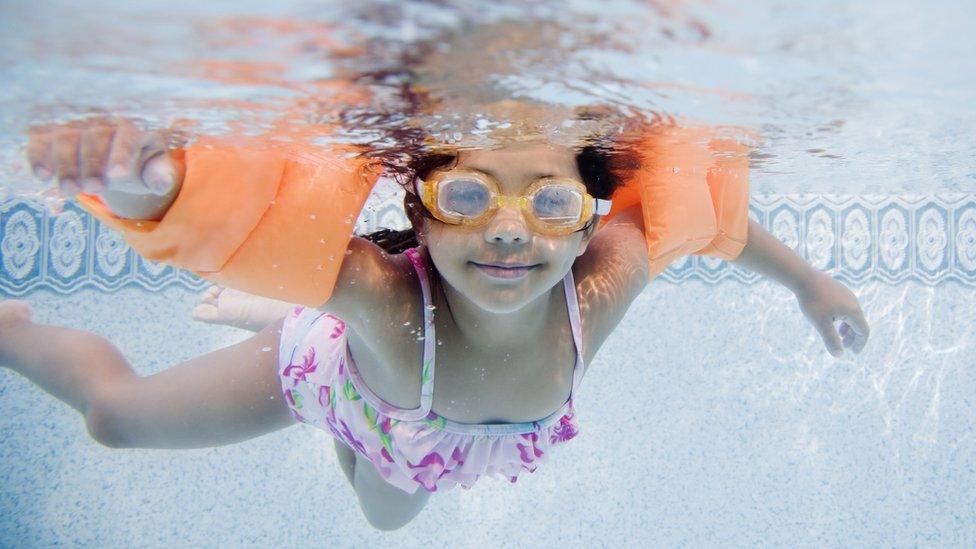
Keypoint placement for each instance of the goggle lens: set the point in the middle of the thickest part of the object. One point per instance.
(463, 197)
(557, 204)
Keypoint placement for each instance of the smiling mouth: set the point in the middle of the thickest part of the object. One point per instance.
(499, 271)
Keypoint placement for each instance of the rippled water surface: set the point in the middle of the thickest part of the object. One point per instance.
(835, 96)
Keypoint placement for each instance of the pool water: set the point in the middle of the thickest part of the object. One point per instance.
(712, 416)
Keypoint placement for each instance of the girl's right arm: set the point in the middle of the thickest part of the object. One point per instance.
(255, 215)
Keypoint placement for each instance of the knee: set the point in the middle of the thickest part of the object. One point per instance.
(388, 522)
(386, 507)
(104, 424)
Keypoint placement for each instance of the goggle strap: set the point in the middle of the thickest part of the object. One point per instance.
(602, 206)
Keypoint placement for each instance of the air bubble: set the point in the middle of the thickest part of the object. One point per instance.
(265, 349)
(311, 216)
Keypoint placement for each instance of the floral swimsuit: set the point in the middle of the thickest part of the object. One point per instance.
(411, 448)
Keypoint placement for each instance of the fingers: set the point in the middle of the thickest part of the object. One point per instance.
(64, 156)
(93, 156)
(123, 156)
(98, 154)
(211, 295)
(205, 312)
(858, 328)
(830, 337)
(39, 152)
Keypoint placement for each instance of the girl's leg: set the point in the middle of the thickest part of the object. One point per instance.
(386, 507)
(347, 460)
(73, 365)
(223, 397)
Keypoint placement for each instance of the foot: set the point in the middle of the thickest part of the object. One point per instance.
(235, 308)
(14, 314)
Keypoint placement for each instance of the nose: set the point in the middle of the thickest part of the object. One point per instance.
(507, 226)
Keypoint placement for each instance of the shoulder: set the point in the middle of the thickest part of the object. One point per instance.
(373, 285)
(609, 276)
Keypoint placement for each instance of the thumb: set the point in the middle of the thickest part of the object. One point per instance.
(205, 312)
(830, 337)
(159, 174)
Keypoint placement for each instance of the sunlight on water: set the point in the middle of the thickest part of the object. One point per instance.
(834, 97)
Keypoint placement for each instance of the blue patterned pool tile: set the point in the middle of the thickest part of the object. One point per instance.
(783, 222)
(22, 239)
(964, 246)
(820, 240)
(857, 255)
(69, 246)
(711, 269)
(151, 274)
(894, 241)
(680, 269)
(931, 241)
(114, 260)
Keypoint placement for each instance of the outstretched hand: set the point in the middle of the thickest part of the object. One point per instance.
(824, 301)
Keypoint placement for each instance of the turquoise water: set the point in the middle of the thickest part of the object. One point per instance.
(712, 417)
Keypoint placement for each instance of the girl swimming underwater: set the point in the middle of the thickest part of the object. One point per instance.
(511, 289)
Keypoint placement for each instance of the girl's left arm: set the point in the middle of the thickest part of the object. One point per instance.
(822, 299)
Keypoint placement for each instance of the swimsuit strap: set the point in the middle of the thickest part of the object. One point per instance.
(427, 363)
(572, 305)
(427, 369)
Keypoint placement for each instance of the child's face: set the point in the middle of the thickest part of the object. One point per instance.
(458, 251)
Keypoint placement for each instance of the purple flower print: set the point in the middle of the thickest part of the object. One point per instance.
(431, 470)
(351, 439)
(297, 311)
(330, 421)
(524, 449)
(339, 328)
(564, 430)
(457, 457)
(300, 371)
(324, 396)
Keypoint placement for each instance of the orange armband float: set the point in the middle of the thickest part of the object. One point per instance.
(693, 190)
(272, 221)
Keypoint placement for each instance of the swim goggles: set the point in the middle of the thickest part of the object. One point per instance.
(554, 206)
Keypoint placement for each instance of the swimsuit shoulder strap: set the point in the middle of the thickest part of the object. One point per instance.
(572, 306)
(427, 363)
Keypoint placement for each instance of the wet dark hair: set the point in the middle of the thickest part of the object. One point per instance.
(601, 168)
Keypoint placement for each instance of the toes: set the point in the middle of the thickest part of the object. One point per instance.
(15, 310)
(205, 313)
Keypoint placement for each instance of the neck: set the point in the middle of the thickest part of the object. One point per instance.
(484, 330)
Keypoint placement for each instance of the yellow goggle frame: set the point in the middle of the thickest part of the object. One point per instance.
(428, 193)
